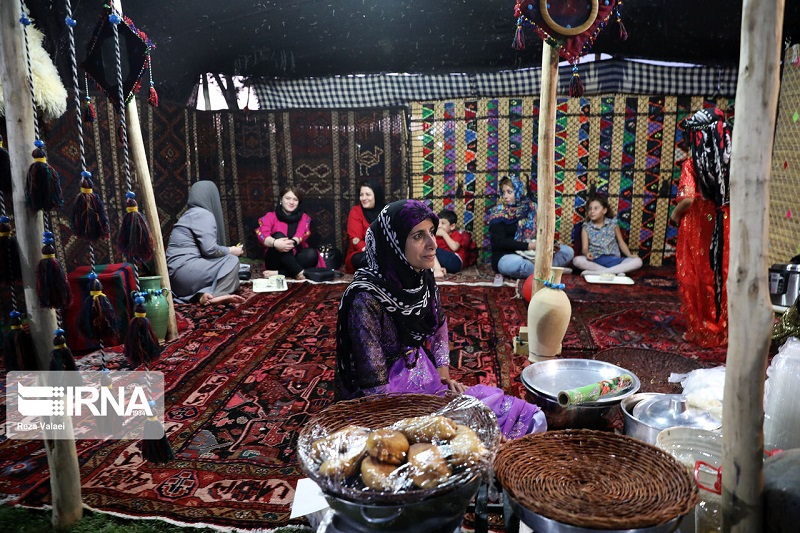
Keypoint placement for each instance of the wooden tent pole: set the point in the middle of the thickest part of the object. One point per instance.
(749, 311)
(62, 458)
(545, 168)
(148, 201)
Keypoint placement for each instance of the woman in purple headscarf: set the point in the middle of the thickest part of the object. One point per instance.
(392, 336)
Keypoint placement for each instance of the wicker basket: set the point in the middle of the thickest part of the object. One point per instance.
(379, 411)
(595, 479)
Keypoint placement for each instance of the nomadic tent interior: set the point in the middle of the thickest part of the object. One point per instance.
(429, 97)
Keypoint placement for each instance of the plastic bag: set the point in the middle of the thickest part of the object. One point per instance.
(781, 410)
(703, 388)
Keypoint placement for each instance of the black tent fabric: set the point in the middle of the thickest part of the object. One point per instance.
(312, 38)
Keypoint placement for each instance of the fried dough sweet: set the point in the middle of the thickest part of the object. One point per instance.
(430, 428)
(339, 442)
(344, 465)
(465, 449)
(387, 446)
(428, 468)
(378, 476)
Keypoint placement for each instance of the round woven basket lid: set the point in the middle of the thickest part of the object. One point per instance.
(595, 479)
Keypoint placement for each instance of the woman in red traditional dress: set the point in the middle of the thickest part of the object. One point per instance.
(704, 225)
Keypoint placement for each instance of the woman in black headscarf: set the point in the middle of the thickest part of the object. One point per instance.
(202, 268)
(370, 202)
(284, 234)
(392, 334)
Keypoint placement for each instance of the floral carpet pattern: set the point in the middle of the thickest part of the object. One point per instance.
(242, 380)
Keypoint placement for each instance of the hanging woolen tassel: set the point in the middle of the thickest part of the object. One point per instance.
(89, 113)
(109, 425)
(52, 286)
(18, 347)
(9, 253)
(153, 98)
(575, 85)
(623, 33)
(141, 345)
(89, 219)
(134, 240)
(155, 445)
(5, 169)
(61, 360)
(43, 184)
(98, 319)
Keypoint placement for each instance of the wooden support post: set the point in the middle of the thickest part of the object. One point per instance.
(62, 458)
(150, 210)
(749, 310)
(545, 169)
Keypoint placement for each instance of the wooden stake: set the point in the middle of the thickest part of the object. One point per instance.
(545, 169)
(749, 310)
(62, 458)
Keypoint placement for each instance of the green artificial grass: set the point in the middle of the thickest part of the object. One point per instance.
(21, 520)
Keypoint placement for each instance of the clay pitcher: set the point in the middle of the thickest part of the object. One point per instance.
(548, 317)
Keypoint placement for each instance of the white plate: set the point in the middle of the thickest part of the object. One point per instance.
(608, 278)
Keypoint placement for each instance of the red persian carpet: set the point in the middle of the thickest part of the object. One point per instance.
(241, 381)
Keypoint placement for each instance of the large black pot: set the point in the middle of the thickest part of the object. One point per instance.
(443, 512)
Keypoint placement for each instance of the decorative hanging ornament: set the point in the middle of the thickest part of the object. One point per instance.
(100, 61)
(571, 26)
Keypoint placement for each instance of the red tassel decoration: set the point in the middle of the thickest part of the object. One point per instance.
(43, 184)
(141, 346)
(153, 98)
(134, 239)
(519, 38)
(5, 169)
(109, 425)
(10, 271)
(155, 445)
(89, 219)
(61, 360)
(623, 33)
(575, 85)
(98, 320)
(52, 286)
(18, 348)
(89, 113)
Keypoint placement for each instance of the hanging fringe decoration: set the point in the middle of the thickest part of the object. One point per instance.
(519, 35)
(43, 184)
(134, 239)
(89, 113)
(52, 286)
(5, 169)
(141, 344)
(575, 84)
(89, 219)
(98, 319)
(10, 271)
(155, 445)
(623, 33)
(18, 347)
(62, 361)
(152, 99)
(109, 425)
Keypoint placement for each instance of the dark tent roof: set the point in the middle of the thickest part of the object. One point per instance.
(304, 38)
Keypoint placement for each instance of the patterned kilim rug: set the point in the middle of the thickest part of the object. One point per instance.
(241, 382)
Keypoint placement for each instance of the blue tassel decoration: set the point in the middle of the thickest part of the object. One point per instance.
(18, 347)
(43, 184)
(141, 345)
(134, 239)
(89, 219)
(98, 319)
(52, 286)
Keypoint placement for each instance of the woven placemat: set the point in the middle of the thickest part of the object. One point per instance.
(595, 479)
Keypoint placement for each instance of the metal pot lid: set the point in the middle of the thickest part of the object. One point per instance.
(664, 411)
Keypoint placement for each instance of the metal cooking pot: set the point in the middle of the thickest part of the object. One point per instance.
(784, 283)
(645, 415)
(544, 380)
(440, 513)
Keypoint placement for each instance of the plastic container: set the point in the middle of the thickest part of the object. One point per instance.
(781, 408)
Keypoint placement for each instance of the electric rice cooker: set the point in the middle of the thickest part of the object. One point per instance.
(784, 283)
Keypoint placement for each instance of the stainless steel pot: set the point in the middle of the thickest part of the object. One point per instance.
(544, 380)
(645, 415)
(542, 524)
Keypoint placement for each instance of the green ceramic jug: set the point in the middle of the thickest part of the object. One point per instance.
(155, 304)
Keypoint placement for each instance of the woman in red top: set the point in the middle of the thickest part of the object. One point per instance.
(371, 201)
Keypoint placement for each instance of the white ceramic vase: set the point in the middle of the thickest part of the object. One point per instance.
(548, 317)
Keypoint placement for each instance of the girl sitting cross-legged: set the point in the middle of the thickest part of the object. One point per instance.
(604, 249)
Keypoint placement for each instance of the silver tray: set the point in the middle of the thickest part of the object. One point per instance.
(551, 377)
